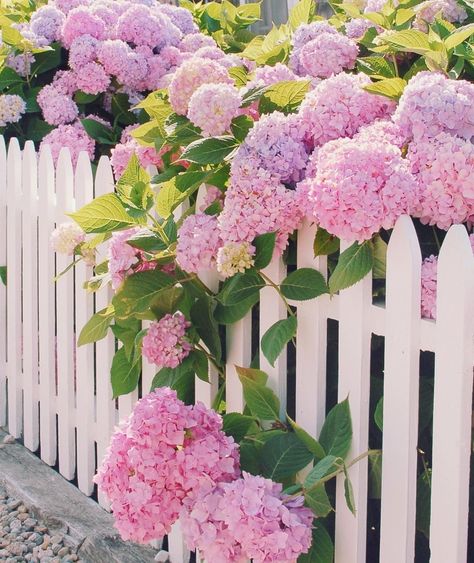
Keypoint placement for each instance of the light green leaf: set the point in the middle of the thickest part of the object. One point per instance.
(349, 493)
(284, 96)
(104, 214)
(460, 35)
(408, 40)
(277, 337)
(124, 373)
(376, 66)
(389, 87)
(380, 258)
(302, 12)
(168, 198)
(283, 456)
(317, 499)
(311, 443)
(336, 433)
(210, 151)
(304, 283)
(353, 265)
(97, 326)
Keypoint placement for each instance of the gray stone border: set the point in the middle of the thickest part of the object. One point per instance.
(63, 508)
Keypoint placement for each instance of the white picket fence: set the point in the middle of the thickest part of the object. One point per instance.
(59, 400)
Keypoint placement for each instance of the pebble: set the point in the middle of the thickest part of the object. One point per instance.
(23, 539)
(9, 439)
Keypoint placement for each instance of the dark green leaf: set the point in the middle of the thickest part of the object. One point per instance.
(378, 414)
(3, 275)
(209, 151)
(96, 327)
(240, 127)
(167, 300)
(353, 265)
(37, 129)
(283, 456)
(239, 425)
(124, 373)
(83, 98)
(203, 321)
(261, 401)
(311, 443)
(277, 337)
(9, 78)
(264, 247)
(229, 314)
(98, 131)
(336, 433)
(322, 548)
(256, 375)
(423, 503)
(127, 336)
(181, 379)
(201, 365)
(304, 283)
(317, 499)
(47, 60)
(326, 466)
(375, 476)
(324, 243)
(242, 286)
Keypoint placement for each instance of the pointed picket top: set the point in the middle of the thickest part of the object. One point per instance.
(13, 163)
(83, 180)
(64, 183)
(104, 177)
(404, 244)
(452, 410)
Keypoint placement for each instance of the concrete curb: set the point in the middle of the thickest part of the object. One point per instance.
(63, 508)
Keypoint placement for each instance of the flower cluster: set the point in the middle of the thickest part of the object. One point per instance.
(72, 137)
(212, 108)
(328, 54)
(66, 237)
(235, 257)
(426, 12)
(122, 152)
(198, 243)
(248, 518)
(165, 343)
(12, 107)
(162, 452)
(303, 35)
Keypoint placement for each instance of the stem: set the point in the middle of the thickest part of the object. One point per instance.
(438, 243)
(211, 359)
(395, 64)
(278, 290)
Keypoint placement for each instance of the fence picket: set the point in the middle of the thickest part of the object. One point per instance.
(354, 382)
(14, 328)
(47, 307)
(30, 297)
(3, 291)
(65, 336)
(84, 192)
(452, 410)
(239, 353)
(400, 403)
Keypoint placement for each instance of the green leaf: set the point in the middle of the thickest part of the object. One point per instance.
(283, 456)
(423, 503)
(264, 248)
(206, 326)
(408, 40)
(127, 337)
(353, 265)
(239, 74)
(378, 414)
(376, 66)
(349, 493)
(167, 300)
(460, 35)
(147, 241)
(325, 466)
(311, 443)
(229, 314)
(403, 15)
(37, 129)
(317, 499)
(261, 401)
(98, 131)
(375, 475)
(277, 337)
(168, 198)
(389, 87)
(209, 151)
(201, 365)
(304, 283)
(242, 286)
(47, 60)
(121, 109)
(324, 243)
(256, 375)
(9, 78)
(239, 425)
(240, 127)
(96, 327)
(322, 548)
(302, 12)
(284, 96)
(138, 292)
(380, 258)
(336, 433)
(124, 373)
(83, 98)
(104, 214)
(181, 379)
(3, 275)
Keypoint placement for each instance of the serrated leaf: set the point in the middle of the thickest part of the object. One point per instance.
(327, 465)
(284, 96)
(283, 456)
(277, 337)
(240, 127)
(318, 500)
(353, 265)
(238, 425)
(261, 401)
(264, 248)
(389, 87)
(408, 40)
(311, 443)
(324, 243)
(96, 327)
(377, 67)
(460, 35)
(304, 283)
(210, 151)
(242, 286)
(124, 373)
(302, 12)
(104, 214)
(229, 314)
(256, 375)
(336, 433)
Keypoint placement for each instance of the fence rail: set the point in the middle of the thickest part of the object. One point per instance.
(58, 399)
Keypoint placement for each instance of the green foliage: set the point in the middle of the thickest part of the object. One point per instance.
(277, 337)
(3, 275)
(264, 248)
(104, 214)
(284, 455)
(353, 265)
(97, 327)
(336, 433)
(241, 287)
(304, 283)
(124, 373)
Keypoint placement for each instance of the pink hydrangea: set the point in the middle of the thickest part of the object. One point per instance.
(165, 343)
(57, 108)
(257, 203)
(46, 22)
(123, 257)
(189, 76)
(21, 63)
(303, 35)
(212, 108)
(92, 79)
(383, 131)
(67, 5)
(328, 54)
(268, 75)
(338, 107)
(64, 82)
(213, 195)
(123, 151)
(12, 107)
(66, 237)
(113, 55)
(164, 451)
(181, 18)
(275, 143)
(198, 243)
(359, 188)
(191, 43)
(444, 167)
(426, 12)
(432, 103)
(81, 21)
(356, 28)
(83, 51)
(249, 518)
(73, 137)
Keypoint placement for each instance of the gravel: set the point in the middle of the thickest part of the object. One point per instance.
(24, 539)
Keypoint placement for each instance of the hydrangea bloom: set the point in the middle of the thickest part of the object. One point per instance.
(46, 22)
(21, 63)
(212, 108)
(161, 453)
(73, 137)
(267, 75)
(198, 243)
(235, 257)
(67, 5)
(213, 195)
(194, 42)
(57, 108)
(181, 18)
(247, 518)
(427, 11)
(83, 50)
(189, 76)
(92, 79)
(66, 237)
(275, 143)
(432, 103)
(12, 107)
(360, 188)
(122, 256)
(383, 131)
(356, 28)
(444, 166)
(257, 203)
(328, 54)
(165, 344)
(303, 35)
(128, 146)
(338, 107)
(81, 21)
